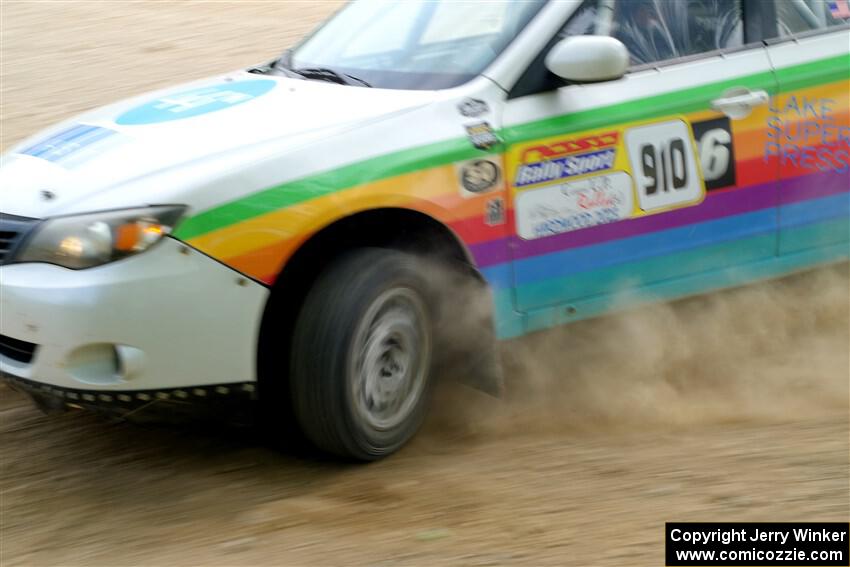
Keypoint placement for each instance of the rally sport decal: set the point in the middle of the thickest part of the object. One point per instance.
(597, 177)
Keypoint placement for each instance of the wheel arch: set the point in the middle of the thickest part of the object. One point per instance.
(385, 227)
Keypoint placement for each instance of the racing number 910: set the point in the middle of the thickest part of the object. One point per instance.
(663, 163)
(664, 166)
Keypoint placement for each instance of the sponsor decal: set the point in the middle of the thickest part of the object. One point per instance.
(70, 145)
(482, 135)
(479, 175)
(494, 212)
(660, 159)
(196, 102)
(473, 108)
(574, 205)
(570, 146)
(664, 164)
(804, 133)
(716, 152)
(568, 166)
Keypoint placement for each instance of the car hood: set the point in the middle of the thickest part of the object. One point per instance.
(204, 126)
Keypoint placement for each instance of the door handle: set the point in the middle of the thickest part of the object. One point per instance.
(740, 104)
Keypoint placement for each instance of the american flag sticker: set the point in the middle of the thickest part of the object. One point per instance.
(838, 8)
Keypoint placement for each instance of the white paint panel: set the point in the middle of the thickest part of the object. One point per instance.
(188, 314)
(635, 86)
(808, 49)
(296, 130)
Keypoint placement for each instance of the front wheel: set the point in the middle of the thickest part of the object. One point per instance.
(362, 352)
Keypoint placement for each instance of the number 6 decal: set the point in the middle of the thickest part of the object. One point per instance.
(664, 165)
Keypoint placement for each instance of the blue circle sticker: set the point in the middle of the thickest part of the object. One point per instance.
(195, 102)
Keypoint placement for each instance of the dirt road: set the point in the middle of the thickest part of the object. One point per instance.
(728, 407)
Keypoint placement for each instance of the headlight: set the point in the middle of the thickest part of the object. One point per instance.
(85, 241)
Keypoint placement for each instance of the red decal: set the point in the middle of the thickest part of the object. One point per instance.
(567, 147)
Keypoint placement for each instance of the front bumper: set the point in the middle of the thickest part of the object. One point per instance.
(168, 321)
(224, 401)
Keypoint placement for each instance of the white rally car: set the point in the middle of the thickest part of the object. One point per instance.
(274, 233)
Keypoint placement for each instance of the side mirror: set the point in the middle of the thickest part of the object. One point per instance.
(588, 58)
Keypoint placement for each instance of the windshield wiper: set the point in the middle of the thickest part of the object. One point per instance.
(326, 74)
(284, 64)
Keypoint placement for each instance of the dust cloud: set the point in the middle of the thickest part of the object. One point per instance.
(722, 392)
(768, 352)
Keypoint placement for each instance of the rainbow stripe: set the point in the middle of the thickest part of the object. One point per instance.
(760, 227)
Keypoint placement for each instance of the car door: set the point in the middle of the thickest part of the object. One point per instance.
(647, 179)
(809, 123)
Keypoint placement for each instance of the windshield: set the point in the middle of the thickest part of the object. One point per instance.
(414, 44)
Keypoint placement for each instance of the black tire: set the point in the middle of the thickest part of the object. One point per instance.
(364, 335)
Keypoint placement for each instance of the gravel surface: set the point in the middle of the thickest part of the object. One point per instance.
(727, 407)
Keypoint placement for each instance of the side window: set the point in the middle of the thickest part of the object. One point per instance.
(807, 15)
(587, 19)
(654, 30)
(537, 78)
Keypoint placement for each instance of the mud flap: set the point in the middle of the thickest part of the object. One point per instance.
(467, 343)
(484, 371)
